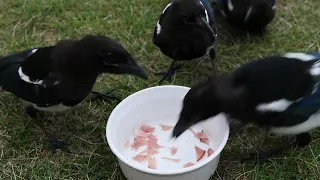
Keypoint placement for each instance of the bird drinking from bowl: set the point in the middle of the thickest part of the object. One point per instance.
(279, 93)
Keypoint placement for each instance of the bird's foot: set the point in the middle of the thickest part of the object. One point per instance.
(263, 156)
(57, 144)
(301, 141)
(167, 76)
(105, 96)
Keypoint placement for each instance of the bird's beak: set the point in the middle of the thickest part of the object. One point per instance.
(133, 68)
(181, 127)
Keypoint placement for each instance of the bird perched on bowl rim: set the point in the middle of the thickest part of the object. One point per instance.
(56, 78)
(185, 31)
(278, 93)
(250, 15)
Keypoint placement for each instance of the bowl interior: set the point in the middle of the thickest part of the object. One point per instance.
(161, 104)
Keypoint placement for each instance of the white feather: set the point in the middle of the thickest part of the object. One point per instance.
(274, 7)
(312, 123)
(54, 108)
(27, 79)
(315, 69)
(158, 28)
(300, 56)
(278, 106)
(34, 50)
(230, 5)
(206, 12)
(164, 10)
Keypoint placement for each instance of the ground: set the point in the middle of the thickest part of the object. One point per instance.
(24, 150)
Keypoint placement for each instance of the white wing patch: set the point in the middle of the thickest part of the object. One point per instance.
(27, 79)
(315, 69)
(158, 28)
(230, 5)
(278, 106)
(300, 56)
(274, 7)
(206, 12)
(34, 50)
(308, 125)
(164, 10)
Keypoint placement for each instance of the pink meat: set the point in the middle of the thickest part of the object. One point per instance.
(199, 152)
(142, 133)
(188, 164)
(201, 134)
(173, 150)
(152, 164)
(138, 142)
(153, 142)
(210, 152)
(141, 158)
(166, 127)
(204, 140)
(147, 128)
(149, 152)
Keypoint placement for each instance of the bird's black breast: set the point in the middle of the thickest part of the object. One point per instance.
(181, 41)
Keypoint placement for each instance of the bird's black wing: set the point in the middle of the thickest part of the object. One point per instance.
(25, 84)
(37, 65)
(280, 78)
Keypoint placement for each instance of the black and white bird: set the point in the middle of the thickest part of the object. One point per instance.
(250, 15)
(279, 93)
(56, 78)
(185, 31)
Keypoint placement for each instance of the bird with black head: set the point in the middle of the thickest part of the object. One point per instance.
(249, 15)
(185, 31)
(57, 78)
(278, 93)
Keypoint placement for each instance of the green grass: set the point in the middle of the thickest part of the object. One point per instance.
(24, 150)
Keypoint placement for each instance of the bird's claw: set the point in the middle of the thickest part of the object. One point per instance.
(105, 96)
(259, 158)
(57, 144)
(168, 75)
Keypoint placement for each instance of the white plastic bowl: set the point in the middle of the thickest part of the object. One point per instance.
(155, 104)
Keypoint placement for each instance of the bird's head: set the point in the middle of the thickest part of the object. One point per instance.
(254, 14)
(205, 100)
(100, 54)
(187, 12)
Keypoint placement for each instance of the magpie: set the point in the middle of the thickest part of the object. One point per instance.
(186, 30)
(278, 93)
(56, 78)
(250, 15)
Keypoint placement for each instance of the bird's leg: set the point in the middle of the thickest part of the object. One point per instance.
(302, 139)
(56, 144)
(105, 95)
(169, 73)
(213, 58)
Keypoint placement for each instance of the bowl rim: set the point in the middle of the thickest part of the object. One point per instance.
(154, 171)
